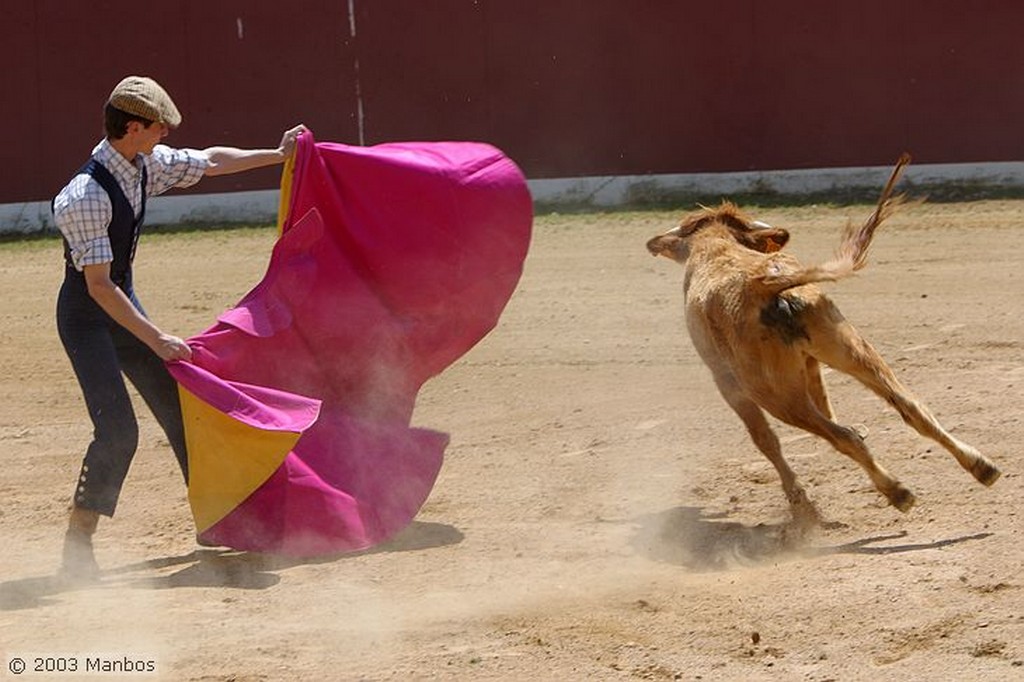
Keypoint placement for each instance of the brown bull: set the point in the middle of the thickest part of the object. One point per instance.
(763, 328)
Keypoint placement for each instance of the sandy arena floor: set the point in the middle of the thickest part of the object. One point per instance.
(601, 514)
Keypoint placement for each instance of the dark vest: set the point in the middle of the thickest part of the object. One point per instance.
(123, 230)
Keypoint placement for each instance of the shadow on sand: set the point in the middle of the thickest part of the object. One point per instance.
(217, 567)
(688, 537)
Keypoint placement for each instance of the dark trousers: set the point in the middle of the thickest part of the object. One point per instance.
(100, 350)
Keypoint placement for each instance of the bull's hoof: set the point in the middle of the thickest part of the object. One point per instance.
(805, 513)
(805, 516)
(901, 498)
(986, 472)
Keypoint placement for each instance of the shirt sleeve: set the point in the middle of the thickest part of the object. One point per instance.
(82, 213)
(169, 168)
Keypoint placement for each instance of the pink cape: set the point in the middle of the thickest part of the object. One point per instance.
(394, 260)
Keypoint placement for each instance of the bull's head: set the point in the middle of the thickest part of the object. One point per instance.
(728, 220)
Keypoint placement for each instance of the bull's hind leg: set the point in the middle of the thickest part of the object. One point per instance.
(816, 388)
(819, 394)
(804, 512)
(847, 441)
(848, 352)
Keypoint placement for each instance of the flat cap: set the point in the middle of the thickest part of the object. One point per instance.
(143, 96)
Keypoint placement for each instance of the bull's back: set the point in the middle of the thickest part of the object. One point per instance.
(718, 312)
(734, 323)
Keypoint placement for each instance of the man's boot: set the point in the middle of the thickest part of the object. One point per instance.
(78, 561)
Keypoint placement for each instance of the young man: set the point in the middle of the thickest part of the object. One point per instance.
(101, 324)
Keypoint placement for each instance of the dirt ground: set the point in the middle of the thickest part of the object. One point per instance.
(601, 514)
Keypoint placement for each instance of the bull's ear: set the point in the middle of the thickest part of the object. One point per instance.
(766, 239)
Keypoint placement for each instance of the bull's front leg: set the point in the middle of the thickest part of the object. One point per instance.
(805, 513)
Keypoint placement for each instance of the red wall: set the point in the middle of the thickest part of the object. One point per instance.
(566, 87)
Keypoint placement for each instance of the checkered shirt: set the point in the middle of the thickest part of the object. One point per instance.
(82, 210)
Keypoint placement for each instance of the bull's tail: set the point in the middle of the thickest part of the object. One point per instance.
(852, 253)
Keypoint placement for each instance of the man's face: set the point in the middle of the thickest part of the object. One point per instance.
(148, 137)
